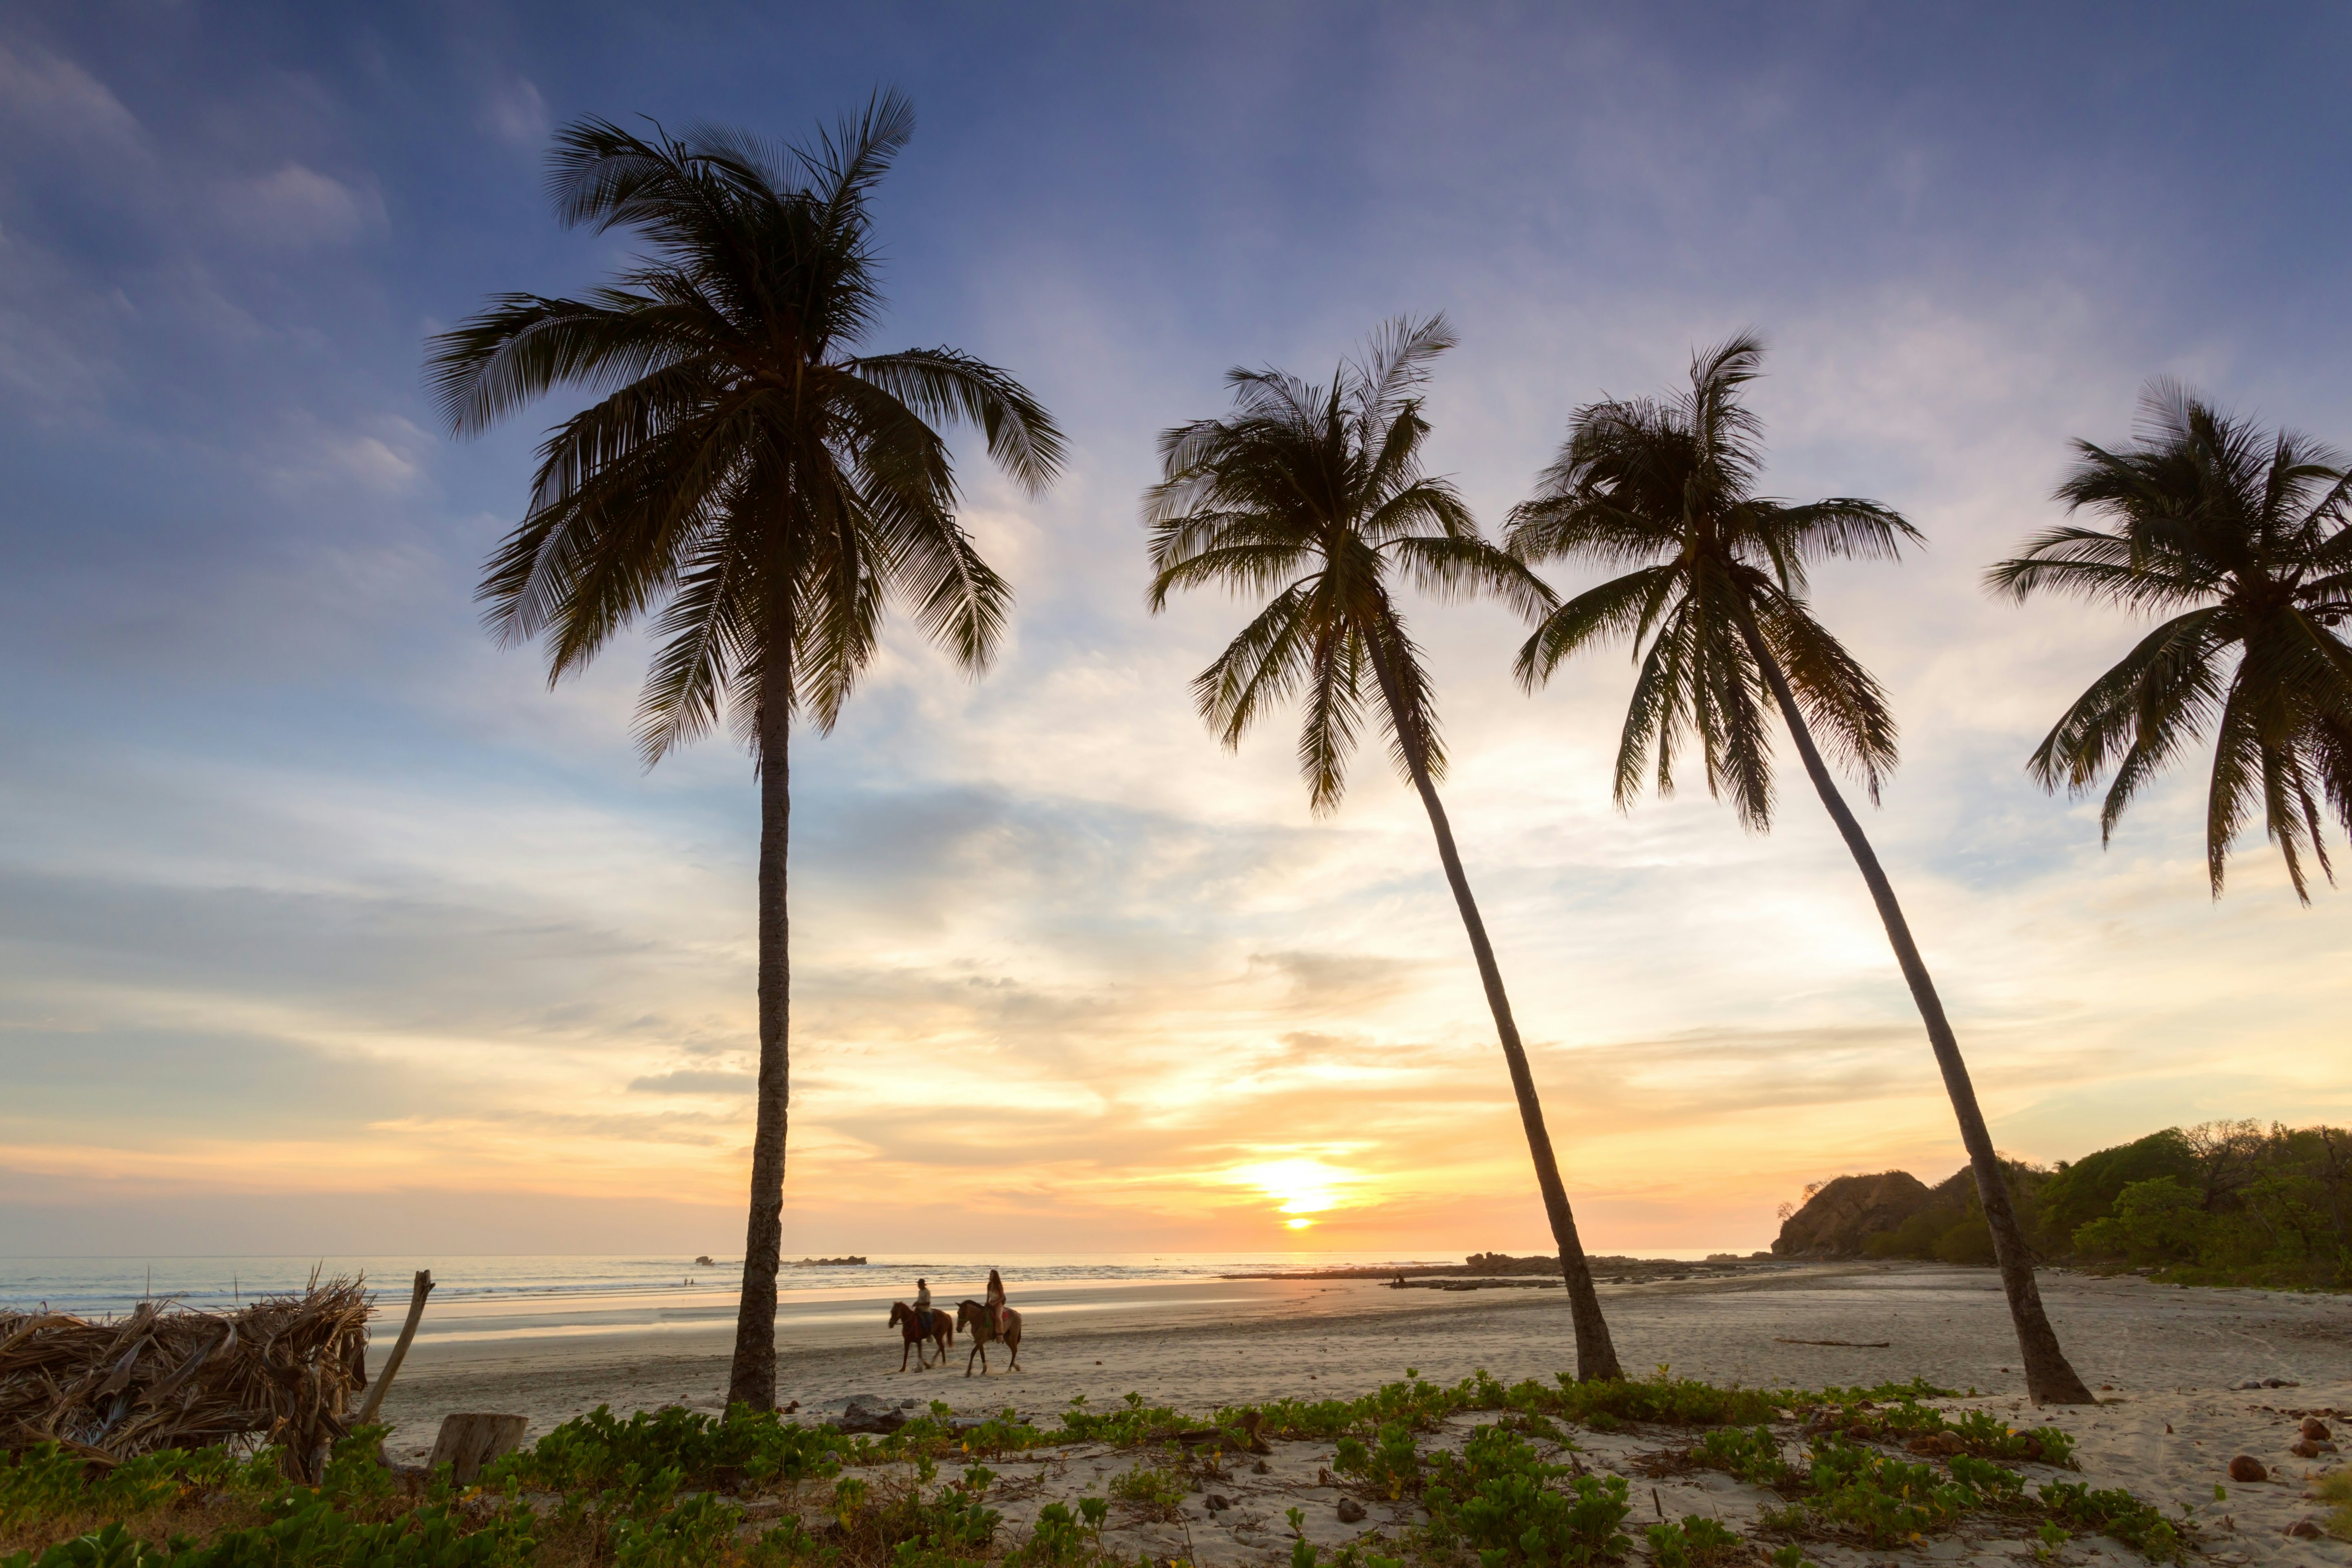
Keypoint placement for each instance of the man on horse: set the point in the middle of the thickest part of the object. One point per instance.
(922, 1308)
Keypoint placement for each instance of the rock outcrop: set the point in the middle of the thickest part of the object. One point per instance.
(1836, 1220)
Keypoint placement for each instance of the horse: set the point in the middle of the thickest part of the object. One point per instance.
(908, 1323)
(977, 1318)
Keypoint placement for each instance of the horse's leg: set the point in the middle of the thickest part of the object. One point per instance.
(904, 1347)
(1013, 1343)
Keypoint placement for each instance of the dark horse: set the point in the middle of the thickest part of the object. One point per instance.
(905, 1319)
(975, 1316)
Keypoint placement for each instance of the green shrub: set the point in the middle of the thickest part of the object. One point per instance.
(1753, 1456)
(46, 1480)
(2335, 1488)
(1888, 1499)
(684, 1536)
(1510, 1510)
(1679, 1401)
(2114, 1513)
(1393, 1467)
(1058, 1538)
(1154, 1487)
(1696, 1542)
(598, 1449)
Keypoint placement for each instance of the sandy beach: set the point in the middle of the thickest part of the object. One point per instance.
(2169, 1363)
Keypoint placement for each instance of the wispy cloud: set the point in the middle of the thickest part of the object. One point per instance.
(311, 898)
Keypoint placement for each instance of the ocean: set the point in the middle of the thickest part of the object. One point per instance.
(483, 1300)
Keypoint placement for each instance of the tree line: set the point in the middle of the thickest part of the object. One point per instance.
(2222, 1203)
(758, 492)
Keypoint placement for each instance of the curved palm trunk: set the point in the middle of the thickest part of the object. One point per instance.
(1596, 1357)
(753, 1379)
(2050, 1378)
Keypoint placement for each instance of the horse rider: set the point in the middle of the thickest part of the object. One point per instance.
(996, 1301)
(922, 1307)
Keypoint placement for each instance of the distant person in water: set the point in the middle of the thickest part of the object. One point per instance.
(922, 1306)
(996, 1301)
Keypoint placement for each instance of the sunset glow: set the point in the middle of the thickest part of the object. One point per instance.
(323, 918)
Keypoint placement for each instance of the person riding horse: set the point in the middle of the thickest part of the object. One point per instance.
(922, 1306)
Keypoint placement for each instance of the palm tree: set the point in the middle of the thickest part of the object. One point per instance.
(2245, 534)
(747, 484)
(1316, 494)
(1717, 597)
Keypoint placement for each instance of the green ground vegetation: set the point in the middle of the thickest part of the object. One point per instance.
(678, 1489)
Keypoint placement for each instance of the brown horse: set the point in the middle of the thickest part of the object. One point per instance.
(908, 1323)
(976, 1318)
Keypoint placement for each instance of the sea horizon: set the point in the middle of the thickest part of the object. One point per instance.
(508, 1294)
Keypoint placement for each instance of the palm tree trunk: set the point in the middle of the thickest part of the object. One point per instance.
(2050, 1378)
(1596, 1357)
(753, 1379)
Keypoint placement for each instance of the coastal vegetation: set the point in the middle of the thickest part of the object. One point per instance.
(1717, 607)
(1316, 494)
(1508, 1490)
(747, 485)
(2225, 1202)
(2242, 533)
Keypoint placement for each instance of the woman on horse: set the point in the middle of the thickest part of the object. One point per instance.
(996, 1301)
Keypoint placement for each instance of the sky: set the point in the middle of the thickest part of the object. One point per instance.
(327, 927)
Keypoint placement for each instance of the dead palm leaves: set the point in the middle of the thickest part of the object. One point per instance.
(283, 1371)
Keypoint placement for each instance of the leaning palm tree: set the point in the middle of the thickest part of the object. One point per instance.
(1716, 611)
(1316, 494)
(747, 484)
(2247, 536)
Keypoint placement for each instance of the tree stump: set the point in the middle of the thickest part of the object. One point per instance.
(467, 1442)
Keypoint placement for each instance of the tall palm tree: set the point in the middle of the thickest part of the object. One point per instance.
(747, 484)
(2246, 535)
(1316, 494)
(1717, 611)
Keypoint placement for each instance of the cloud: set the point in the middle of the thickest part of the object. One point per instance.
(55, 99)
(685, 1080)
(517, 113)
(295, 207)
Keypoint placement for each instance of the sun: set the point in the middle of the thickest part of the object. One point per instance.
(1302, 1187)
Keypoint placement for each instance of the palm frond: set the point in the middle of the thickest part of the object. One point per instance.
(1623, 606)
(1314, 492)
(1667, 486)
(1451, 567)
(761, 497)
(948, 384)
(2206, 510)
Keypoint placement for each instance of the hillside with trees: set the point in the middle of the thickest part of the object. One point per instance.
(2225, 1202)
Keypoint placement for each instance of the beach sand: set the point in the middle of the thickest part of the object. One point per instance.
(2168, 1362)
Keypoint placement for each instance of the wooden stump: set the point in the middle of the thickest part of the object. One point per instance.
(468, 1442)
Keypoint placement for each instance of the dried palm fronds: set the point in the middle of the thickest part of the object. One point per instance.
(282, 1371)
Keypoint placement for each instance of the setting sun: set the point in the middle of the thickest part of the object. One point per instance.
(1301, 1186)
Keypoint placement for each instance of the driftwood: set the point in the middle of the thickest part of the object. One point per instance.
(281, 1371)
(423, 1288)
(468, 1442)
(1250, 1439)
